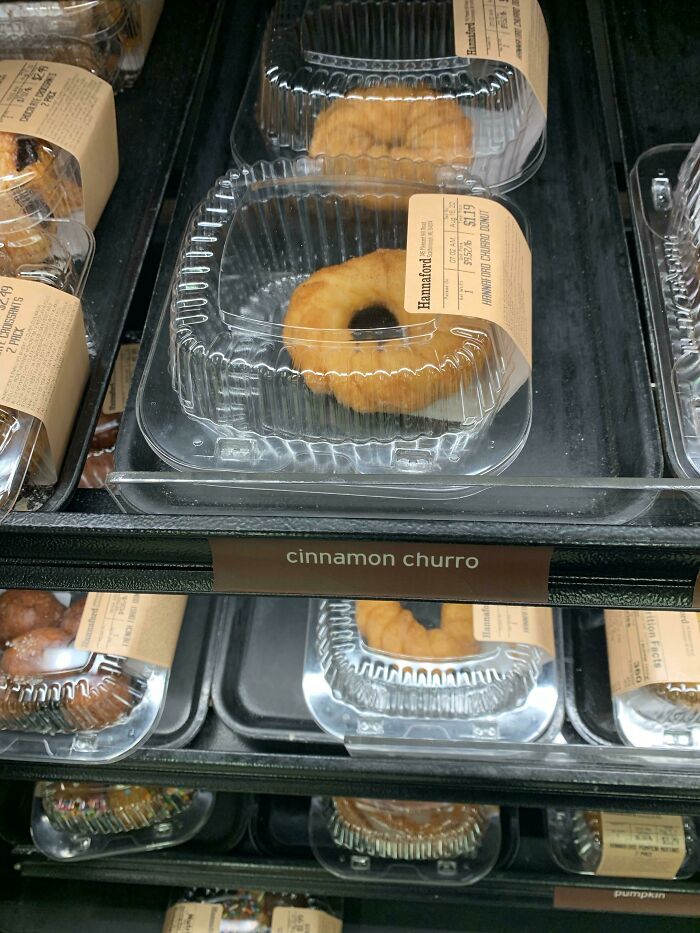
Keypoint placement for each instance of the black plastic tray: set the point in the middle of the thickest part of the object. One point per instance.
(257, 687)
(588, 699)
(151, 119)
(593, 408)
(189, 687)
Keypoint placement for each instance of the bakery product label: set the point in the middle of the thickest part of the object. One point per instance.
(120, 383)
(648, 647)
(304, 920)
(467, 256)
(194, 918)
(142, 626)
(511, 31)
(69, 108)
(43, 364)
(641, 845)
(521, 625)
(149, 11)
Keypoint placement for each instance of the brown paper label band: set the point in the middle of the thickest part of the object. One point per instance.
(144, 627)
(376, 569)
(43, 363)
(627, 901)
(648, 647)
(696, 592)
(641, 845)
(69, 108)
(521, 625)
(194, 918)
(120, 383)
(304, 920)
(150, 11)
(467, 256)
(511, 31)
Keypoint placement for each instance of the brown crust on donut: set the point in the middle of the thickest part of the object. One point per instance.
(24, 610)
(387, 626)
(34, 653)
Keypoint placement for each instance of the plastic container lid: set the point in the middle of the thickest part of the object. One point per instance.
(68, 18)
(63, 704)
(404, 841)
(389, 674)
(369, 78)
(270, 390)
(72, 821)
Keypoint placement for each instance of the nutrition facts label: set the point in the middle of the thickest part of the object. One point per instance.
(467, 256)
(641, 845)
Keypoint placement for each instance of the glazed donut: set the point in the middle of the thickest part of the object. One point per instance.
(24, 610)
(399, 122)
(394, 375)
(388, 627)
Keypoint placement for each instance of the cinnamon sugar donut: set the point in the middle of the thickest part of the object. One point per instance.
(38, 652)
(24, 610)
(397, 374)
(396, 123)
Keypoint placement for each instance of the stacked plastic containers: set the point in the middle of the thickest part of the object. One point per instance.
(391, 677)
(110, 38)
(60, 703)
(72, 821)
(292, 355)
(395, 841)
(664, 185)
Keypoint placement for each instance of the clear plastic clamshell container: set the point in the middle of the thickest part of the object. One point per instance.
(390, 675)
(72, 821)
(110, 38)
(38, 241)
(241, 911)
(405, 840)
(367, 78)
(576, 841)
(665, 198)
(291, 352)
(59, 703)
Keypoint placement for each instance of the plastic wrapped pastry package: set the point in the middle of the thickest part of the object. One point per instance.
(72, 821)
(292, 351)
(388, 81)
(624, 845)
(405, 841)
(53, 254)
(214, 911)
(110, 38)
(63, 703)
(391, 673)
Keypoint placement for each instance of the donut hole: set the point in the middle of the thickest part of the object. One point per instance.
(364, 322)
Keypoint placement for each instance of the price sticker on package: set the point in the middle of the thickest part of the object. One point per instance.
(304, 920)
(641, 845)
(467, 256)
(520, 625)
(194, 918)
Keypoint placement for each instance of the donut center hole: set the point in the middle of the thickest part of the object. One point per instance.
(371, 318)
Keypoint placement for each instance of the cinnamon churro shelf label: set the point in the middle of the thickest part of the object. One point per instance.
(304, 920)
(141, 626)
(647, 647)
(194, 918)
(510, 31)
(71, 109)
(520, 625)
(641, 845)
(43, 364)
(467, 256)
(120, 383)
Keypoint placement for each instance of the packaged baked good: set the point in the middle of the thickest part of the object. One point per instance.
(410, 85)
(110, 38)
(72, 821)
(405, 840)
(251, 912)
(81, 678)
(292, 351)
(624, 845)
(664, 188)
(382, 673)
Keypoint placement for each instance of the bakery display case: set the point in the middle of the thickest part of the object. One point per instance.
(438, 657)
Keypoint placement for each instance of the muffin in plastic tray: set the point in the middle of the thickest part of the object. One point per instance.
(56, 253)
(244, 911)
(665, 190)
(576, 841)
(73, 821)
(394, 672)
(61, 703)
(371, 78)
(275, 255)
(405, 840)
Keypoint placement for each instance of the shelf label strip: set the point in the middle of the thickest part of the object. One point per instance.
(628, 901)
